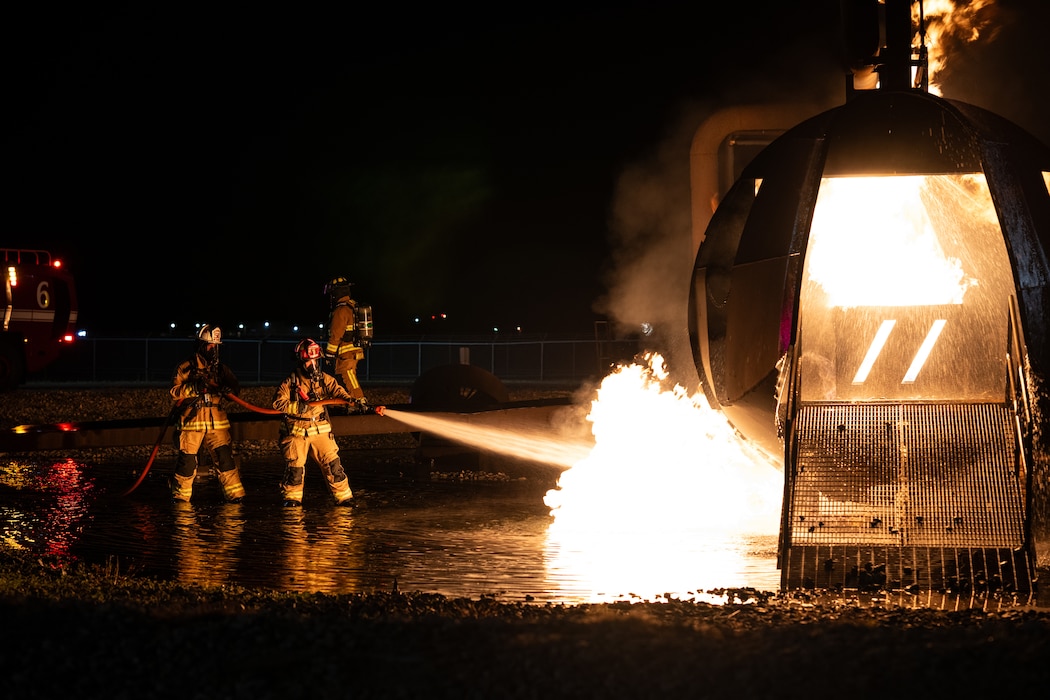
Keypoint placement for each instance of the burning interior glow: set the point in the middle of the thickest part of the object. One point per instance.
(872, 243)
(902, 274)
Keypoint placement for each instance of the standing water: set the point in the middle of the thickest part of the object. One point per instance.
(661, 500)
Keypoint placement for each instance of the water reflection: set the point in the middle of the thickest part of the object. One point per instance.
(454, 538)
(206, 543)
(58, 496)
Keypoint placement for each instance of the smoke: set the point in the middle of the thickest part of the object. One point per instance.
(651, 241)
(651, 235)
(988, 61)
(651, 219)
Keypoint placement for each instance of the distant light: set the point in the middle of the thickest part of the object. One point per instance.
(67, 338)
(417, 319)
(82, 333)
(295, 329)
(266, 324)
(57, 263)
(320, 325)
(171, 326)
(12, 275)
(495, 329)
(518, 329)
(240, 326)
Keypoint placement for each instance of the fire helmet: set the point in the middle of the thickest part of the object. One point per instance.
(307, 350)
(210, 334)
(338, 287)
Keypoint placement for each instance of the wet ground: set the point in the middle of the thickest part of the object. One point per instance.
(457, 533)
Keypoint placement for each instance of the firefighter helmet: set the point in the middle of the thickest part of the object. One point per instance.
(210, 334)
(307, 350)
(338, 287)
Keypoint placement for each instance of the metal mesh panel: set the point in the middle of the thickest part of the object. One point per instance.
(905, 494)
(908, 474)
(916, 570)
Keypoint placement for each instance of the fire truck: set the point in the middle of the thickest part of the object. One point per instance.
(40, 313)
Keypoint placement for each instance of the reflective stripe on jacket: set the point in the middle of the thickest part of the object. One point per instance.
(300, 417)
(201, 412)
(341, 326)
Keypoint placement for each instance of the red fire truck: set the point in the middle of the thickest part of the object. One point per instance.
(40, 313)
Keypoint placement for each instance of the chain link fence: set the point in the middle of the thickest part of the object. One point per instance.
(268, 361)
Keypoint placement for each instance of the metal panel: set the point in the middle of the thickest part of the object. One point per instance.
(905, 494)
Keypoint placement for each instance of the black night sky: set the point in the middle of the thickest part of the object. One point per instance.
(220, 161)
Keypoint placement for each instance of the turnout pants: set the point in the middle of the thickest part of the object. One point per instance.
(324, 450)
(219, 442)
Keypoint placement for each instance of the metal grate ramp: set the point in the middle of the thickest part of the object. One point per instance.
(904, 495)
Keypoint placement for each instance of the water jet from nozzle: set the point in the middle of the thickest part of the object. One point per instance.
(522, 442)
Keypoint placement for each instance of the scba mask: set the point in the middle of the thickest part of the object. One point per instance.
(210, 338)
(309, 354)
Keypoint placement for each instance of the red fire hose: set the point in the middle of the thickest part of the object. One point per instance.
(156, 447)
(235, 399)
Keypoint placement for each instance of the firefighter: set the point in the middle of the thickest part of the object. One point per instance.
(343, 349)
(198, 388)
(306, 430)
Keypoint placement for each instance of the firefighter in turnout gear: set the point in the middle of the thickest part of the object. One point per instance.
(306, 430)
(343, 349)
(198, 388)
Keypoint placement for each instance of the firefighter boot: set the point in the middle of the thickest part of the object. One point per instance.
(292, 486)
(229, 475)
(181, 487)
(181, 482)
(338, 483)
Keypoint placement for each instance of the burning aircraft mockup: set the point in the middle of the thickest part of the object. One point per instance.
(871, 299)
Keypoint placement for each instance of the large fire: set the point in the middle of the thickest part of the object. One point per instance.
(669, 501)
(948, 22)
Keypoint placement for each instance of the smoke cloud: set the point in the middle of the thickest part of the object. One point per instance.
(650, 218)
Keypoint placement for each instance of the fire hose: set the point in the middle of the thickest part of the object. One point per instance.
(156, 446)
(378, 410)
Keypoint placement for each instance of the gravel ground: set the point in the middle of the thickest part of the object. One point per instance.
(94, 632)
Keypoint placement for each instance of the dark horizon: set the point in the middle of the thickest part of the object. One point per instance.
(223, 163)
